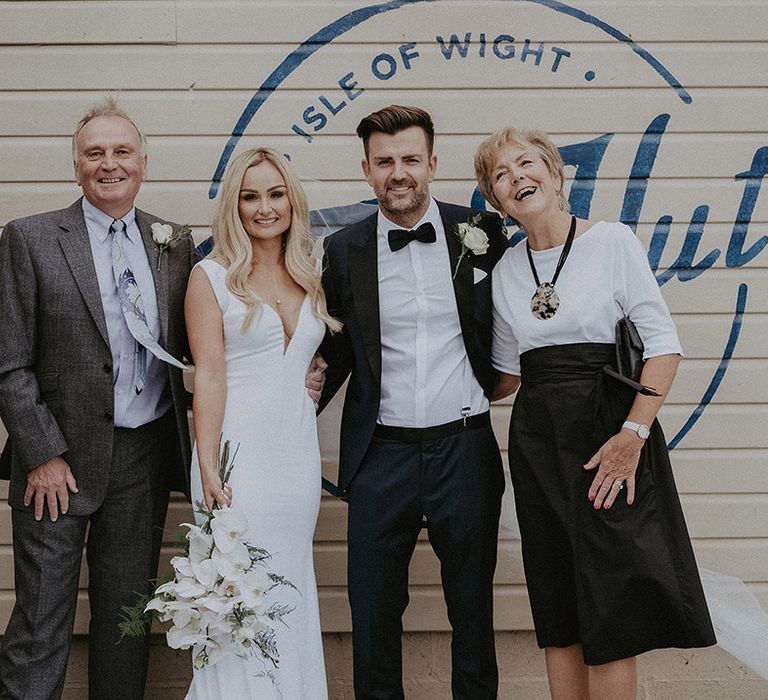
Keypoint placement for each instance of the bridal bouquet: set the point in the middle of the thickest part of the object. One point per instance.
(218, 600)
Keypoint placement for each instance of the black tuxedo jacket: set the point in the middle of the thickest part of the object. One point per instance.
(350, 280)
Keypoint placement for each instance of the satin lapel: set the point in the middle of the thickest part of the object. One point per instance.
(144, 221)
(464, 281)
(76, 246)
(364, 280)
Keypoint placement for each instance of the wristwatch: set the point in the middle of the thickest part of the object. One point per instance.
(642, 430)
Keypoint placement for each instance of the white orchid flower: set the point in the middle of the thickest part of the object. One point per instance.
(253, 586)
(157, 604)
(186, 616)
(228, 588)
(182, 566)
(171, 609)
(218, 604)
(206, 573)
(183, 637)
(168, 588)
(189, 588)
(233, 563)
(200, 543)
(247, 632)
(227, 527)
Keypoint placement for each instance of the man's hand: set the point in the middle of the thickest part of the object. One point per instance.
(315, 379)
(50, 482)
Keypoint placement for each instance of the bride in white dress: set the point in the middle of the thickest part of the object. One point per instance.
(255, 314)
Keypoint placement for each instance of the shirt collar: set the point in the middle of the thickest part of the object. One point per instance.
(432, 215)
(98, 223)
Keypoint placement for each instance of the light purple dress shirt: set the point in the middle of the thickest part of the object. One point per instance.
(131, 410)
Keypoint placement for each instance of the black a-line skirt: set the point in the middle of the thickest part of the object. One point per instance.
(620, 581)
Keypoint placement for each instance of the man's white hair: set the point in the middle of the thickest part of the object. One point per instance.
(107, 108)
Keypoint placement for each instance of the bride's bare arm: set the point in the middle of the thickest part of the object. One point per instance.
(205, 330)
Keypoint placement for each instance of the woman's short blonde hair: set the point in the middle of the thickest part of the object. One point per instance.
(488, 150)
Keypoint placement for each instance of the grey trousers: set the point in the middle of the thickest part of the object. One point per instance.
(123, 543)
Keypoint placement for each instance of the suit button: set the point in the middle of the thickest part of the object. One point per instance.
(108, 416)
(107, 368)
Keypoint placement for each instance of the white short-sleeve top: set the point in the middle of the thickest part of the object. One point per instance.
(606, 272)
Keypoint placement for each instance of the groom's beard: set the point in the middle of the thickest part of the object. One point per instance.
(395, 205)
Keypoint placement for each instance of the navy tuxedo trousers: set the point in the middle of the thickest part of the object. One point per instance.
(455, 483)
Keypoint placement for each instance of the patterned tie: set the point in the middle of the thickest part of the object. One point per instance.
(132, 304)
(399, 238)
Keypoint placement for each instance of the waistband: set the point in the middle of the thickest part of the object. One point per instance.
(433, 432)
(555, 363)
(169, 417)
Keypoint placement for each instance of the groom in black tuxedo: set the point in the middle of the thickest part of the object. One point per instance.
(417, 448)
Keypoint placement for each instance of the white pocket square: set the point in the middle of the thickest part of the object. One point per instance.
(479, 274)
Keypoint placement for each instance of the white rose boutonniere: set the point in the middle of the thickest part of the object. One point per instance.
(165, 237)
(473, 239)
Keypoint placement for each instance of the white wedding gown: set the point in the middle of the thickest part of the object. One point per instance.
(276, 483)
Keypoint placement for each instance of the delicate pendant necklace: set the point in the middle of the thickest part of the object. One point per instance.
(545, 302)
(274, 281)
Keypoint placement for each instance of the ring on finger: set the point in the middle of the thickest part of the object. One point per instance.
(618, 484)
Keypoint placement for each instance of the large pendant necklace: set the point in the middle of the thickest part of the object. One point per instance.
(545, 302)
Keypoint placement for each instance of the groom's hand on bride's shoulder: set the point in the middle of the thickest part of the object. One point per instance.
(315, 379)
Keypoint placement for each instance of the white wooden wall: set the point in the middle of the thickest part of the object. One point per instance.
(186, 70)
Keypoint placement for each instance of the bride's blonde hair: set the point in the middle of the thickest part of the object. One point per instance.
(232, 245)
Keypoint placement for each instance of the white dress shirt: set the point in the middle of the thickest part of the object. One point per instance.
(131, 410)
(426, 376)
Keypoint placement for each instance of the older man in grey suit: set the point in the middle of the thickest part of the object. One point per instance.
(97, 421)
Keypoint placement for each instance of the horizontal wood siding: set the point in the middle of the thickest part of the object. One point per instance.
(186, 71)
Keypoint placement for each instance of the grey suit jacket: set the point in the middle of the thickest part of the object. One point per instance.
(56, 381)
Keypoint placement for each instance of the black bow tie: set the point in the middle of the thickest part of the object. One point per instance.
(399, 238)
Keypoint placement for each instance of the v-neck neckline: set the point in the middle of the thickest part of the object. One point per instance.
(287, 346)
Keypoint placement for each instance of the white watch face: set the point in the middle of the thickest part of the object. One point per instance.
(643, 431)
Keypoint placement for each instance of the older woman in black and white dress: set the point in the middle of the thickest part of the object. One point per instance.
(607, 557)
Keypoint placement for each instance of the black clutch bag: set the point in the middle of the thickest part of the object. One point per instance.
(629, 357)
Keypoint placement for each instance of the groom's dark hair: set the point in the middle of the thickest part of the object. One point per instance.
(395, 118)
